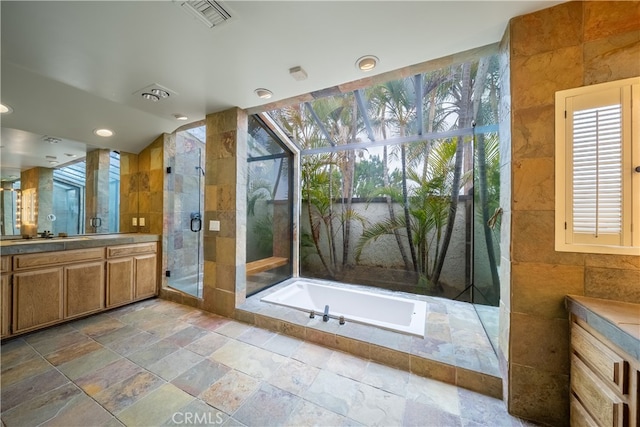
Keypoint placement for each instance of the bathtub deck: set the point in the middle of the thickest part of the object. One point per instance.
(456, 348)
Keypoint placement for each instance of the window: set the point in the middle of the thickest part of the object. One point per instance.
(597, 152)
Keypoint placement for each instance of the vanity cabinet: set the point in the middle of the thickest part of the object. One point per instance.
(604, 380)
(5, 296)
(53, 286)
(131, 272)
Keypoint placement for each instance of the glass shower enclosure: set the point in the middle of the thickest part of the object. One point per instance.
(186, 180)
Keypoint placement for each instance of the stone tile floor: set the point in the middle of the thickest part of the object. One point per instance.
(158, 363)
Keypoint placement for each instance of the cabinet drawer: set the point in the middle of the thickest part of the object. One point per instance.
(5, 263)
(603, 404)
(135, 249)
(579, 416)
(600, 358)
(22, 262)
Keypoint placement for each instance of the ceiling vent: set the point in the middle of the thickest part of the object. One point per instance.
(210, 12)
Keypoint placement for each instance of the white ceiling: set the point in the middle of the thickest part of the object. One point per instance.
(69, 67)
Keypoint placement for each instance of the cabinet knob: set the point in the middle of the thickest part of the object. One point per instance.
(637, 169)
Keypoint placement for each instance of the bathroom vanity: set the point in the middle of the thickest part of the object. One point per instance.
(605, 367)
(49, 281)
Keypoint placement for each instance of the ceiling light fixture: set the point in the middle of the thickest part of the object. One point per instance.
(5, 109)
(298, 73)
(180, 117)
(160, 93)
(367, 63)
(151, 97)
(52, 163)
(51, 140)
(106, 133)
(263, 93)
(70, 155)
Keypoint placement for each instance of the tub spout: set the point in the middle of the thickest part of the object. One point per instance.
(325, 316)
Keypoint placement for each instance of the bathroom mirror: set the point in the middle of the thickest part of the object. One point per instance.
(80, 197)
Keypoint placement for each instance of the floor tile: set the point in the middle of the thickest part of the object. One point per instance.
(275, 406)
(313, 354)
(175, 364)
(15, 352)
(28, 388)
(418, 414)
(44, 406)
(125, 332)
(332, 391)
(76, 368)
(130, 344)
(386, 378)
(31, 367)
(230, 391)
(152, 353)
(374, 407)
(294, 376)
(123, 394)
(70, 353)
(282, 344)
(209, 343)
(346, 365)
(310, 414)
(485, 410)
(49, 343)
(200, 377)
(156, 407)
(101, 379)
(246, 358)
(435, 393)
(187, 335)
(197, 413)
(233, 329)
(81, 411)
(256, 336)
(106, 325)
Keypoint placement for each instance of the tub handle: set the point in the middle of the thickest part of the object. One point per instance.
(342, 320)
(325, 316)
(312, 314)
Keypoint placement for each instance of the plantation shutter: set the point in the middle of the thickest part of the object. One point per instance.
(595, 184)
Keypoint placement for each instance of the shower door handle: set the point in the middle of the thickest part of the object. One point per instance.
(196, 222)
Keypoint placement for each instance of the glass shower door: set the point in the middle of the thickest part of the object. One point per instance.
(185, 261)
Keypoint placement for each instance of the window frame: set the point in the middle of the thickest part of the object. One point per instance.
(629, 95)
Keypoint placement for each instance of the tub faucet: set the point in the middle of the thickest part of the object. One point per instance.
(325, 316)
(47, 234)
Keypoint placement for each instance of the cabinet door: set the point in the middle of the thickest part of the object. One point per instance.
(37, 298)
(84, 288)
(5, 305)
(119, 281)
(145, 275)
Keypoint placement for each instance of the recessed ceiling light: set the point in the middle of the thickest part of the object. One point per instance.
(53, 163)
(367, 63)
(104, 132)
(180, 117)
(70, 155)
(151, 97)
(160, 93)
(263, 93)
(5, 109)
(50, 157)
(51, 140)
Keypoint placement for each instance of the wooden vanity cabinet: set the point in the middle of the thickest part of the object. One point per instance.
(5, 296)
(53, 286)
(131, 272)
(604, 381)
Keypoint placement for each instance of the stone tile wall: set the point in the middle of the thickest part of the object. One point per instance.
(570, 45)
(40, 179)
(128, 191)
(151, 186)
(225, 201)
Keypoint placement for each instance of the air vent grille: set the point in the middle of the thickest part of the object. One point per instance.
(210, 12)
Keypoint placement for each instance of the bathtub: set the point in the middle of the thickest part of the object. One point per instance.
(385, 311)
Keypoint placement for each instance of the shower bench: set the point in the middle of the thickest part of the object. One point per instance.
(264, 264)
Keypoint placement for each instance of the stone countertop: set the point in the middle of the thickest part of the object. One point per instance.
(35, 245)
(618, 321)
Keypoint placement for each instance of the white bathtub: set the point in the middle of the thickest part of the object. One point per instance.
(389, 312)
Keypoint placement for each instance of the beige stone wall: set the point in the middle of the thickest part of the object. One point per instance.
(97, 190)
(570, 45)
(225, 201)
(151, 186)
(41, 180)
(128, 191)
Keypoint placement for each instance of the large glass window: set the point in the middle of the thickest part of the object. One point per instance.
(390, 180)
(269, 208)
